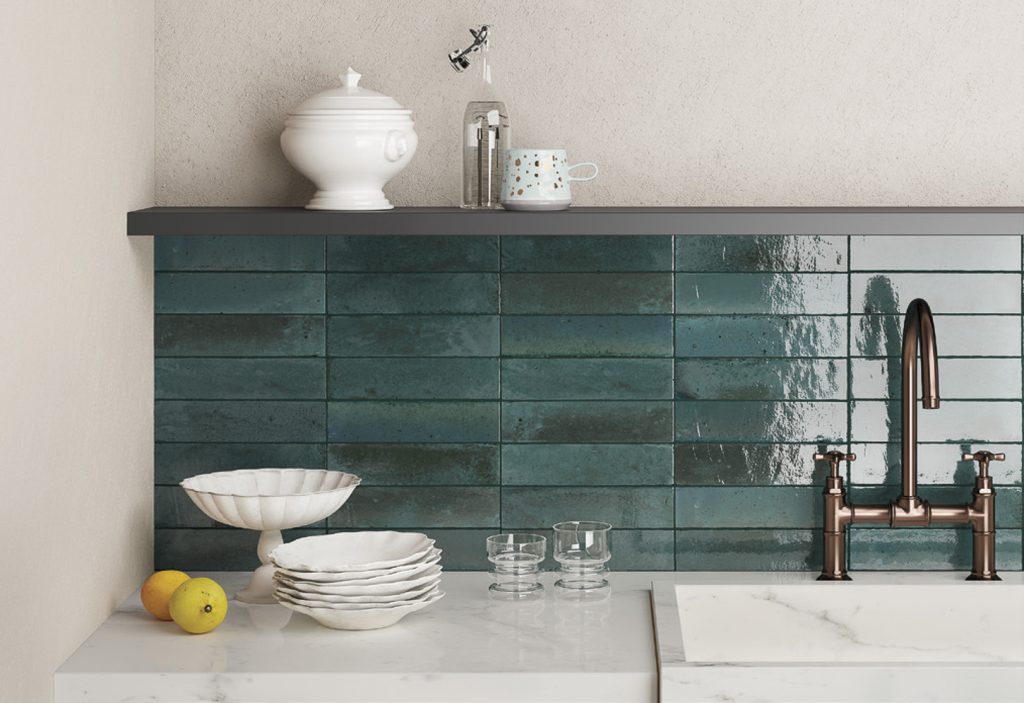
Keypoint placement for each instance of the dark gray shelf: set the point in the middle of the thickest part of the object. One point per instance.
(159, 221)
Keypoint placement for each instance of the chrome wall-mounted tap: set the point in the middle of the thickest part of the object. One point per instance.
(459, 58)
(908, 509)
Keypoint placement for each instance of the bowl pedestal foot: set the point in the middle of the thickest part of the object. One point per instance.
(260, 590)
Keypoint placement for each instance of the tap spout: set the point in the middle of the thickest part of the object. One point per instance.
(918, 339)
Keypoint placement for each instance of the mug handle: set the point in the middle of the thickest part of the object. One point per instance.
(585, 178)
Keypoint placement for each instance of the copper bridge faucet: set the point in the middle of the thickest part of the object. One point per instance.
(908, 509)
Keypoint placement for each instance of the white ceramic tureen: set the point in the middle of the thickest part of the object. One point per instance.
(349, 141)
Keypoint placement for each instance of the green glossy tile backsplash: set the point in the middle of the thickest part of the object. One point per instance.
(674, 386)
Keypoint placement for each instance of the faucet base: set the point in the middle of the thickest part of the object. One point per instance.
(983, 577)
(843, 577)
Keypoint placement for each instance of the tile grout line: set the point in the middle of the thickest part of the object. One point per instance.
(564, 357)
(675, 488)
(692, 272)
(650, 486)
(849, 381)
(749, 315)
(327, 374)
(154, 555)
(501, 394)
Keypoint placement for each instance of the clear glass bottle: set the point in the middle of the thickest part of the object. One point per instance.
(485, 138)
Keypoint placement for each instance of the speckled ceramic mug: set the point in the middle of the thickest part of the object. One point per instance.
(538, 179)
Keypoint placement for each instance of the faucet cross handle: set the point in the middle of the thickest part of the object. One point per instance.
(983, 458)
(833, 458)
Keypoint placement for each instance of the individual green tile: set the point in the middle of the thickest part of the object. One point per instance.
(737, 464)
(587, 253)
(239, 421)
(926, 549)
(225, 549)
(748, 550)
(412, 253)
(598, 335)
(938, 253)
(958, 335)
(176, 462)
(418, 464)
(761, 379)
(958, 421)
(1008, 500)
(239, 335)
(239, 293)
(587, 421)
(414, 335)
(237, 379)
(761, 293)
(285, 253)
(410, 378)
(642, 550)
(586, 379)
(980, 379)
(946, 293)
(173, 508)
(586, 293)
(401, 507)
(937, 463)
(708, 507)
(586, 464)
(798, 336)
(375, 293)
(412, 421)
(760, 253)
(760, 421)
(539, 508)
(461, 550)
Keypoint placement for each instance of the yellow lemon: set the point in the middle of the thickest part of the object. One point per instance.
(199, 605)
(156, 592)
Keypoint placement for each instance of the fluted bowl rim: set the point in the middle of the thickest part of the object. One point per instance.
(347, 481)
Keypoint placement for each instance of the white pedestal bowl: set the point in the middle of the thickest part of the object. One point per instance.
(269, 500)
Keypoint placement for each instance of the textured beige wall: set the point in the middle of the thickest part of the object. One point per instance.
(76, 310)
(704, 102)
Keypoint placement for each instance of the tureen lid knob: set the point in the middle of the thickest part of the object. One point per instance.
(350, 79)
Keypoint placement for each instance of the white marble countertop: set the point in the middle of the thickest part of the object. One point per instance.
(466, 647)
(884, 636)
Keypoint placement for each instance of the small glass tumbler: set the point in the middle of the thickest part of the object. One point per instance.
(582, 548)
(516, 557)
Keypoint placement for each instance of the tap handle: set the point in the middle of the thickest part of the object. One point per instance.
(983, 458)
(833, 458)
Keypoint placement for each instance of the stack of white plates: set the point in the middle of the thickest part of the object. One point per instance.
(358, 580)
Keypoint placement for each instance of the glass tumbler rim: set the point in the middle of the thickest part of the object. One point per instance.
(517, 542)
(516, 538)
(582, 526)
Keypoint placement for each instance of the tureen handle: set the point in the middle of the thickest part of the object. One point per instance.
(395, 145)
(350, 79)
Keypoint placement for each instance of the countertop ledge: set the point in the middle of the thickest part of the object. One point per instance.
(233, 221)
(466, 647)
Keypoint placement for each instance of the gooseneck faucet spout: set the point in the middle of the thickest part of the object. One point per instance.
(918, 335)
(908, 509)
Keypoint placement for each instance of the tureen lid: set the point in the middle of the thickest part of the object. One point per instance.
(350, 96)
